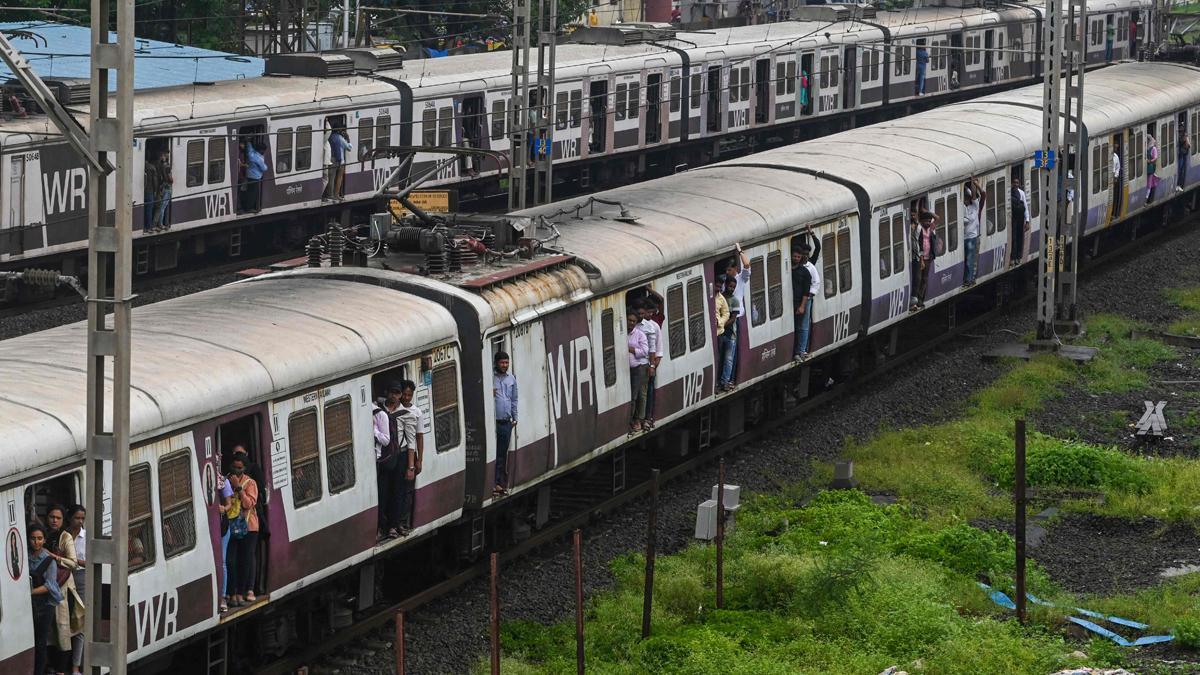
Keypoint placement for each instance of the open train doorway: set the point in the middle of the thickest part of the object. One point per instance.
(713, 94)
(957, 59)
(849, 81)
(598, 118)
(249, 196)
(158, 184)
(806, 79)
(471, 133)
(1122, 168)
(243, 434)
(653, 108)
(762, 91)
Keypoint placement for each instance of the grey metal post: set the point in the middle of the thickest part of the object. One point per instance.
(109, 253)
(1073, 225)
(1052, 43)
(518, 103)
(544, 131)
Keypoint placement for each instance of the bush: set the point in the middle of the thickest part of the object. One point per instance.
(964, 549)
(1187, 633)
(1071, 464)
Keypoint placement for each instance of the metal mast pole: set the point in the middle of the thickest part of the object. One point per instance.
(109, 293)
(1052, 166)
(518, 106)
(544, 133)
(1074, 222)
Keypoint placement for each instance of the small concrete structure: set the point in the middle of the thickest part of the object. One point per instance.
(706, 513)
(843, 475)
(1021, 350)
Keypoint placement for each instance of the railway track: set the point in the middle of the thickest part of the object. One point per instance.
(777, 409)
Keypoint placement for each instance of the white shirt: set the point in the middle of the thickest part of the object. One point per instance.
(653, 336)
(971, 219)
(81, 544)
(743, 280)
(1116, 166)
(409, 426)
(815, 287)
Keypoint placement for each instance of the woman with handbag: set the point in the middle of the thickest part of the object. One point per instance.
(68, 614)
(243, 534)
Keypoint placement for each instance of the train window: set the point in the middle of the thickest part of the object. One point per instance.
(1194, 132)
(608, 347)
(445, 126)
(622, 101)
(758, 292)
(1097, 161)
(876, 57)
(175, 503)
(845, 264)
(943, 226)
(306, 457)
(1171, 143)
(775, 283)
(383, 133)
(304, 141)
(899, 56)
(951, 222)
(734, 90)
(634, 101)
(823, 77)
(829, 266)
(195, 163)
(676, 92)
(1035, 194)
(141, 519)
(1000, 48)
(834, 72)
(989, 210)
(339, 445)
(429, 127)
(283, 151)
(746, 83)
(676, 322)
(445, 406)
(1139, 155)
(697, 90)
(497, 119)
(1001, 208)
(866, 67)
(366, 136)
(791, 77)
(216, 160)
(696, 305)
(561, 109)
(885, 247)
(897, 243)
(780, 78)
(576, 107)
(908, 59)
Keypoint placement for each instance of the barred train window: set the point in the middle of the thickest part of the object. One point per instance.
(676, 322)
(676, 92)
(989, 210)
(791, 77)
(576, 107)
(283, 151)
(445, 406)
(306, 457)
(607, 340)
(561, 109)
(175, 500)
(216, 160)
(897, 243)
(366, 136)
(952, 222)
(758, 292)
(383, 133)
(445, 126)
(885, 248)
(780, 82)
(775, 283)
(304, 139)
(195, 163)
(429, 127)
(497, 120)
(829, 266)
(339, 445)
(697, 90)
(622, 99)
(1001, 206)
(141, 521)
(696, 306)
(845, 264)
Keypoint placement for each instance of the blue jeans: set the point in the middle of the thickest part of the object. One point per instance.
(971, 258)
(150, 209)
(920, 78)
(650, 378)
(1183, 167)
(803, 329)
(728, 352)
(164, 203)
(1108, 49)
(503, 438)
(225, 563)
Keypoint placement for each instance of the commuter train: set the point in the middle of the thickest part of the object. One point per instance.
(620, 111)
(289, 364)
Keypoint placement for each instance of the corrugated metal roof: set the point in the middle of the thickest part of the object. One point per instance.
(65, 53)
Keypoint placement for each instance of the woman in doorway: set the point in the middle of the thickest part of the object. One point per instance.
(1151, 167)
(43, 587)
(639, 364)
(68, 615)
(243, 533)
(76, 515)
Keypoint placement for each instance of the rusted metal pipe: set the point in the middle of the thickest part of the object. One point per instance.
(651, 525)
(577, 538)
(495, 558)
(721, 534)
(1019, 498)
(400, 642)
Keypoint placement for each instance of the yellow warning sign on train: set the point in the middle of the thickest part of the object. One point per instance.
(429, 201)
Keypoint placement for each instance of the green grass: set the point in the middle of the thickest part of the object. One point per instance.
(1121, 365)
(1187, 299)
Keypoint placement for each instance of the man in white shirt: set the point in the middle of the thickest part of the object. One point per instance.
(973, 203)
(409, 425)
(738, 269)
(1117, 187)
(1019, 223)
(647, 309)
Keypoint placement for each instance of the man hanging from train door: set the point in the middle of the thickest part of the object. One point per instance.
(504, 390)
(412, 449)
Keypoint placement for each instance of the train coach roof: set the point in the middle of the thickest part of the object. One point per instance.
(690, 216)
(201, 355)
(892, 160)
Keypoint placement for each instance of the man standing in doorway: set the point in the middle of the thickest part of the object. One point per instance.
(412, 449)
(339, 145)
(165, 180)
(256, 168)
(973, 201)
(654, 340)
(388, 460)
(803, 294)
(1019, 224)
(922, 65)
(504, 390)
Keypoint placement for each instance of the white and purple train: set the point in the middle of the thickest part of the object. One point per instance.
(620, 111)
(288, 364)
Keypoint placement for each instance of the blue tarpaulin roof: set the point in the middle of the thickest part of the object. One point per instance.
(66, 50)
